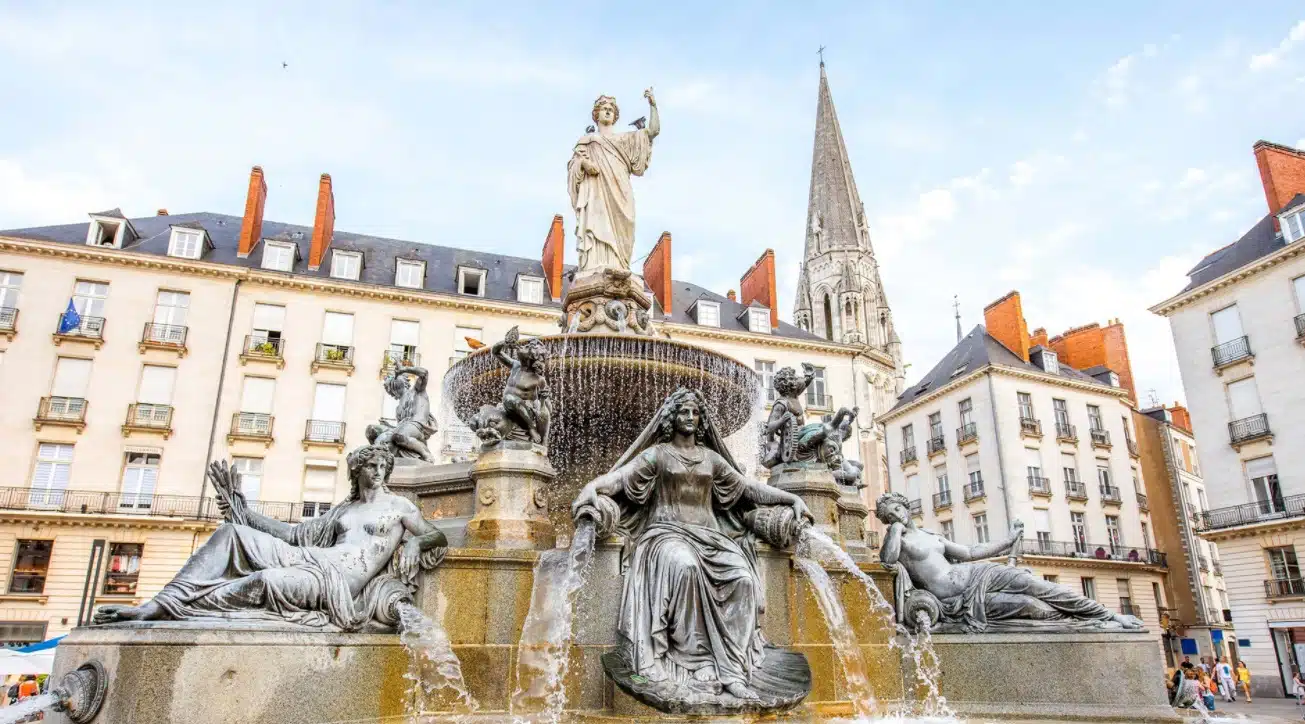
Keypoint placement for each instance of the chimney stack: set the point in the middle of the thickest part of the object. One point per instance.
(732, 296)
(163, 212)
(1004, 320)
(251, 227)
(1092, 345)
(657, 271)
(323, 223)
(1181, 418)
(758, 285)
(554, 248)
(1282, 172)
(1038, 338)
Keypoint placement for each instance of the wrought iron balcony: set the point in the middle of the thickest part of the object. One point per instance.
(163, 335)
(1231, 352)
(1098, 551)
(324, 432)
(399, 358)
(1030, 426)
(8, 319)
(1249, 429)
(88, 502)
(1100, 438)
(147, 417)
(917, 507)
(1292, 506)
(251, 426)
(91, 328)
(1216, 567)
(1284, 587)
(1142, 503)
(908, 455)
(968, 432)
(70, 411)
(1300, 326)
(1040, 486)
(1203, 562)
(1066, 432)
(974, 490)
(333, 355)
(1076, 490)
(1132, 448)
(937, 445)
(1128, 609)
(942, 500)
(819, 401)
(258, 347)
(1110, 494)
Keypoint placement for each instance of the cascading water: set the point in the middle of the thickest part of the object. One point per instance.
(433, 668)
(27, 707)
(543, 654)
(841, 635)
(927, 670)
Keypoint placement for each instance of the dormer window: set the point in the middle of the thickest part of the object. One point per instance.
(471, 281)
(759, 320)
(530, 290)
(1048, 361)
(410, 273)
(110, 229)
(708, 313)
(346, 264)
(1293, 225)
(186, 243)
(279, 255)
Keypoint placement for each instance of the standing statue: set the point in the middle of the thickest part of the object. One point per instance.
(787, 414)
(414, 424)
(344, 571)
(689, 624)
(527, 408)
(598, 181)
(959, 592)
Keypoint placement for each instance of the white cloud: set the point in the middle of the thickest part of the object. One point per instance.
(1021, 173)
(1263, 61)
(1192, 177)
(1116, 81)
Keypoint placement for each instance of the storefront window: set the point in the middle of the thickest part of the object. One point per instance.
(124, 568)
(30, 565)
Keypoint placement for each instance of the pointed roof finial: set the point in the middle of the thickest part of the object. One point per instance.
(956, 305)
(821, 53)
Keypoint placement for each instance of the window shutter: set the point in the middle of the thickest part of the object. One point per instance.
(1244, 399)
(337, 328)
(328, 402)
(71, 377)
(1260, 467)
(270, 317)
(156, 384)
(1227, 325)
(404, 332)
(257, 395)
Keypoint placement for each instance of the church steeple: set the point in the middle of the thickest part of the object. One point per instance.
(835, 214)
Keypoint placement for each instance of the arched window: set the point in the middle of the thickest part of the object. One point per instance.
(829, 320)
(848, 320)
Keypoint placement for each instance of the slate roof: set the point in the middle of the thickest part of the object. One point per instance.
(975, 351)
(1261, 241)
(379, 256)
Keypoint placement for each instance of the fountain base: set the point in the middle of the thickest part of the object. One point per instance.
(813, 482)
(511, 505)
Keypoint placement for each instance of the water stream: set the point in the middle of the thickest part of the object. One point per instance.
(27, 707)
(842, 637)
(433, 668)
(543, 654)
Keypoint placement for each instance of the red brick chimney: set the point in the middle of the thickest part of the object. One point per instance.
(732, 296)
(554, 248)
(1004, 319)
(1092, 345)
(163, 212)
(758, 285)
(1038, 338)
(1180, 417)
(323, 223)
(657, 271)
(251, 227)
(1282, 172)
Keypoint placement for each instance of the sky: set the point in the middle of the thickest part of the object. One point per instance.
(1086, 154)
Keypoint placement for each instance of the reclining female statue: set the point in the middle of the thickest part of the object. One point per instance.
(343, 571)
(960, 592)
(689, 626)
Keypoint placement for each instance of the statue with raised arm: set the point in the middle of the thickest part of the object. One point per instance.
(414, 424)
(526, 409)
(689, 627)
(957, 591)
(598, 181)
(787, 415)
(346, 570)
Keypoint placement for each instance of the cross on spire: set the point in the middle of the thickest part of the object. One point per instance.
(821, 53)
(956, 306)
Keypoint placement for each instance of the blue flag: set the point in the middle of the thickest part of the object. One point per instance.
(70, 320)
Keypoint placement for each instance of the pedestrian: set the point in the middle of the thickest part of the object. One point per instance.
(1297, 687)
(1206, 691)
(28, 687)
(1187, 689)
(1244, 677)
(1224, 673)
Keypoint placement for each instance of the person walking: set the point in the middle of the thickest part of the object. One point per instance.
(1297, 687)
(1244, 677)
(1224, 672)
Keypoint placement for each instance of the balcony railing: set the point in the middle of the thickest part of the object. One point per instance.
(260, 347)
(1031, 426)
(1203, 562)
(167, 335)
(1098, 551)
(1230, 352)
(8, 319)
(917, 507)
(61, 411)
(1292, 506)
(1039, 485)
(325, 432)
(1284, 587)
(937, 445)
(1110, 494)
(333, 355)
(1066, 432)
(872, 541)
(1300, 326)
(1128, 609)
(1100, 438)
(251, 425)
(1076, 490)
(1249, 428)
(942, 500)
(908, 455)
(968, 432)
(402, 359)
(87, 502)
(974, 490)
(819, 401)
(1193, 511)
(88, 327)
(1142, 502)
(1216, 567)
(149, 416)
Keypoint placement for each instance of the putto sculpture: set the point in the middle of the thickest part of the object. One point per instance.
(598, 181)
(526, 409)
(346, 570)
(957, 591)
(689, 627)
(787, 439)
(414, 424)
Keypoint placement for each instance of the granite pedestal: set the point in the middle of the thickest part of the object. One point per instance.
(512, 481)
(813, 482)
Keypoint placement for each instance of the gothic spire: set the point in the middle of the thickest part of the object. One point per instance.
(835, 215)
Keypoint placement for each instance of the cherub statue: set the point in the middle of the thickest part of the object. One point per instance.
(414, 424)
(786, 415)
(526, 409)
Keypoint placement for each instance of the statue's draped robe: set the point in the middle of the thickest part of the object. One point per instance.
(246, 574)
(692, 599)
(604, 204)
